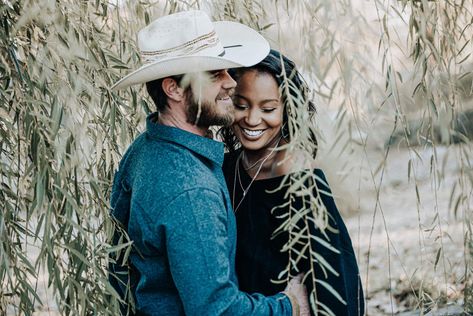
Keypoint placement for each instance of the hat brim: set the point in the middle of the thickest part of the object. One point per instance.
(243, 46)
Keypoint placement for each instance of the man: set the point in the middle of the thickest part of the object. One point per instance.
(169, 193)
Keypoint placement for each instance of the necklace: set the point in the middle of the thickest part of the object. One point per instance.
(237, 174)
(257, 161)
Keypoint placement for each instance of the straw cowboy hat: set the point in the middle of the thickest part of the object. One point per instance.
(189, 41)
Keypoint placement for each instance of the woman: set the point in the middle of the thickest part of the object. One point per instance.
(258, 169)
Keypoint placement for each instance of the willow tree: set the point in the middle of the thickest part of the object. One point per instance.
(63, 130)
(62, 135)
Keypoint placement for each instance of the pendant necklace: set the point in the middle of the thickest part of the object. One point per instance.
(253, 165)
(237, 174)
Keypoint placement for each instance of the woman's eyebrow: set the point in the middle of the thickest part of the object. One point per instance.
(261, 101)
(268, 100)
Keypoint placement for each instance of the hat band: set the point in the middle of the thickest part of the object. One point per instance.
(189, 48)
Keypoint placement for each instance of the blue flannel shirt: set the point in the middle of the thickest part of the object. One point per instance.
(170, 195)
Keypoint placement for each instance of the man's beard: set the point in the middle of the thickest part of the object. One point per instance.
(202, 113)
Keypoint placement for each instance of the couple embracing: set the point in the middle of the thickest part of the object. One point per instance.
(183, 202)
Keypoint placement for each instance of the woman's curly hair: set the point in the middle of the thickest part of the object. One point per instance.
(284, 71)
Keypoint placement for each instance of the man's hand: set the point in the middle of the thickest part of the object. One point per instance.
(295, 290)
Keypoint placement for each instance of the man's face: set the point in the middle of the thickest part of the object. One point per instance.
(210, 99)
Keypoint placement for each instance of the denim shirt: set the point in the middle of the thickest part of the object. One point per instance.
(170, 194)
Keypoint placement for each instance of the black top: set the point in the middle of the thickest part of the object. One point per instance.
(259, 259)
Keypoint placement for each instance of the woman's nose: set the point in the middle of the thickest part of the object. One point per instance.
(252, 118)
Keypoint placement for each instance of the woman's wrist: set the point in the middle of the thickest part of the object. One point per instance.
(294, 303)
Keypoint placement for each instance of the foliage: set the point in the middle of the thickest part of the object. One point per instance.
(62, 134)
(63, 131)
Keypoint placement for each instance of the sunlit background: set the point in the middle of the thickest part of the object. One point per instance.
(393, 87)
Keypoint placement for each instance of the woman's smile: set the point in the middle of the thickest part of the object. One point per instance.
(258, 111)
(252, 133)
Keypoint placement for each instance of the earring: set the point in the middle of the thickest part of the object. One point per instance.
(285, 131)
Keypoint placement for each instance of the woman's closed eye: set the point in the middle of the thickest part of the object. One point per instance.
(268, 110)
(240, 106)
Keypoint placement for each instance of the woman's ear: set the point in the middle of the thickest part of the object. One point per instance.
(173, 90)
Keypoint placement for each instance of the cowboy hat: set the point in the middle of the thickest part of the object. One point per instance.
(189, 41)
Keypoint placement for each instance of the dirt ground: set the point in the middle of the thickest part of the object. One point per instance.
(397, 239)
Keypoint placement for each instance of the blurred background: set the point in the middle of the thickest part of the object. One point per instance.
(393, 87)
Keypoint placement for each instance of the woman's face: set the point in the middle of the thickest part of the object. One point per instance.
(258, 110)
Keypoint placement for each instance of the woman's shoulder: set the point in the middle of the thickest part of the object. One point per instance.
(316, 174)
(300, 162)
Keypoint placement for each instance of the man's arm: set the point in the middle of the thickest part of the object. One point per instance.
(199, 258)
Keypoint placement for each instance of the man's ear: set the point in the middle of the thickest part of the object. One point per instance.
(172, 89)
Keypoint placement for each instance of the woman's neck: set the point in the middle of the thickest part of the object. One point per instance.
(267, 160)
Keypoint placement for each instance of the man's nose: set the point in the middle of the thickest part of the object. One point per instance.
(228, 81)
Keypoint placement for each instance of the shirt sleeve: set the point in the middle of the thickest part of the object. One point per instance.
(198, 250)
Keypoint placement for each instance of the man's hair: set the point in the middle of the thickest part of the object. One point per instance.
(155, 90)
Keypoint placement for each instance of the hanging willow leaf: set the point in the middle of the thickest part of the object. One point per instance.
(63, 132)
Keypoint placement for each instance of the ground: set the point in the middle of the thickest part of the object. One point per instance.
(410, 245)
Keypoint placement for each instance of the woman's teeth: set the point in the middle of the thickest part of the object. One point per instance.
(253, 133)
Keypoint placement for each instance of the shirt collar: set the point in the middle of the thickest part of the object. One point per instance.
(203, 146)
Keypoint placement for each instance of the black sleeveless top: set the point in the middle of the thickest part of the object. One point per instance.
(259, 258)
